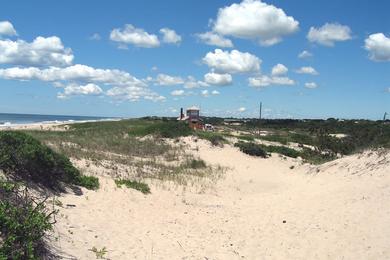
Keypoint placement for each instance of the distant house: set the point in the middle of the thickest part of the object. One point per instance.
(192, 116)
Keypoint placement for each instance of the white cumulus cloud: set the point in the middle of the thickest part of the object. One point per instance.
(305, 54)
(232, 62)
(218, 79)
(206, 93)
(167, 80)
(279, 70)
(254, 19)
(41, 52)
(265, 81)
(170, 36)
(135, 36)
(6, 28)
(241, 109)
(329, 33)
(378, 46)
(311, 85)
(191, 82)
(123, 85)
(178, 92)
(307, 70)
(214, 39)
(83, 90)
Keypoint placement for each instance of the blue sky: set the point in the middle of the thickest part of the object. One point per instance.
(136, 58)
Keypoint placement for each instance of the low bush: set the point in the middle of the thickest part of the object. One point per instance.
(23, 223)
(24, 158)
(140, 186)
(252, 149)
(282, 150)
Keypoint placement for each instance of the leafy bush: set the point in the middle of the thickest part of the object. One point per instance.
(282, 150)
(316, 156)
(23, 223)
(140, 186)
(25, 158)
(251, 149)
(165, 129)
(89, 182)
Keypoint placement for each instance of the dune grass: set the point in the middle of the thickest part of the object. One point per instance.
(143, 147)
(140, 186)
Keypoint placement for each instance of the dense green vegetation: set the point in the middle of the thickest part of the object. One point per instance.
(309, 155)
(358, 134)
(252, 149)
(140, 186)
(24, 221)
(24, 158)
(281, 150)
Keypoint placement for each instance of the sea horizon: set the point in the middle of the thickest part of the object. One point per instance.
(9, 119)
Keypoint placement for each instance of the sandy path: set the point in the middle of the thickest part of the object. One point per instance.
(326, 215)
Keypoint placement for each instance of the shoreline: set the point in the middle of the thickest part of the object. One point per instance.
(49, 125)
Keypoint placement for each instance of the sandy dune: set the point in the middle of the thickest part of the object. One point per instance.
(262, 209)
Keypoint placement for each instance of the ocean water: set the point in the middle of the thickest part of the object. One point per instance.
(16, 119)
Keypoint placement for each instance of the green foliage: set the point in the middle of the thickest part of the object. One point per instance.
(263, 150)
(282, 150)
(165, 129)
(23, 223)
(89, 182)
(251, 149)
(25, 158)
(142, 187)
(316, 156)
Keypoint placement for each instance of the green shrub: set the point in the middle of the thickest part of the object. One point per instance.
(25, 158)
(251, 149)
(316, 156)
(282, 150)
(23, 223)
(89, 182)
(140, 186)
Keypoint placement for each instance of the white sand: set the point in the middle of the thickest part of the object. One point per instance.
(331, 214)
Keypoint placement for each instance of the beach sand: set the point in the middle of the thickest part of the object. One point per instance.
(261, 209)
